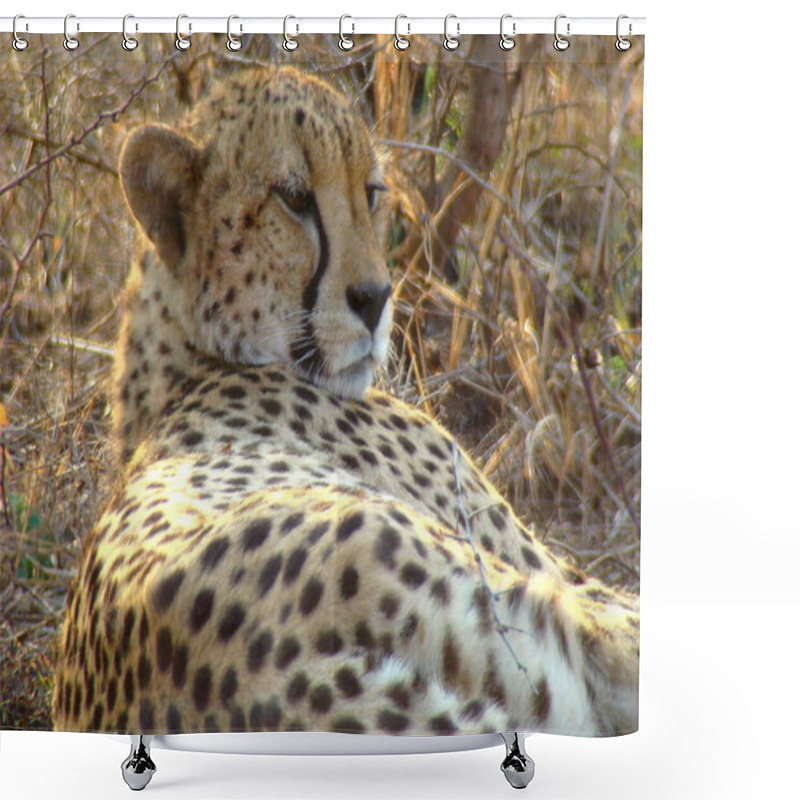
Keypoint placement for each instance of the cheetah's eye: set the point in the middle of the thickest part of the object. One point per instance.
(372, 194)
(298, 202)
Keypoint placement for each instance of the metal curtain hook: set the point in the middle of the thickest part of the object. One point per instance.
(450, 42)
(506, 42)
(234, 42)
(345, 42)
(70, 42)
(290, 44)
(400, 42)
(622, 44)
(181, 42)
(18, 42)
(129, 43)
(561, 43)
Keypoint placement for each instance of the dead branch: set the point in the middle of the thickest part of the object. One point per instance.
(102, 119)
(598, 425)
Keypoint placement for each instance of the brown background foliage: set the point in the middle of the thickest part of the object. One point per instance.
(515, 246)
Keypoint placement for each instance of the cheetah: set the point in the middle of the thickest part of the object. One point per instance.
(290, 549)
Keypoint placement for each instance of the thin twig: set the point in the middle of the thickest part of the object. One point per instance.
(461, 164)
(19, 261)
(108, 116)
(466, 520)
(607, 451)
(6, 517)
(79, 156)
(614, 141)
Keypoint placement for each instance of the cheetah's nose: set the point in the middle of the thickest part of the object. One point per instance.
(367, 300)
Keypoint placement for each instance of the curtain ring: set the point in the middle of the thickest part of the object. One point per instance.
(129, 43)
(506, 42)
(181, 42)
(234, 42)
(450, 42)
(400, 42)
(290, 44)
(70, 42)
(561, 44)
(18, 43)
(622, 44)
(345, 42)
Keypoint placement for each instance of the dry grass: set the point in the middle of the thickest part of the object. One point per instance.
(521, 331)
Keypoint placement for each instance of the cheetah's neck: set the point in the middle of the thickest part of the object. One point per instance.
(154, 353)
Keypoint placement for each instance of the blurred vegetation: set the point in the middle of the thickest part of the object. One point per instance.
(515, 246)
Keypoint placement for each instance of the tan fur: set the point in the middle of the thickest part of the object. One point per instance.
(289, 555)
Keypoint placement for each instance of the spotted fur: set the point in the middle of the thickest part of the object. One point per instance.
(290, 550)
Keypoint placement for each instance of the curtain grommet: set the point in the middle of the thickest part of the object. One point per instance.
(71, 43)
(507, 42)
(450, 42)
(401, 43)
(129, 43)
(234, 43)
(18, 43)
(560, 43)
(181, 41)
(622, 45)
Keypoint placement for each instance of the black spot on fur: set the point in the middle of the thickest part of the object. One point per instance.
(297, 688)
(392, 722)
(497, 518)
(229, 685)
(413, 575)
(310, 596)
(201, 609)
(269, 573)
(292, 522)
(294, 564)
(442, 724)
(179, 663)
(364, 637)
(329, 642)
(272, 407)
(347, 682)
(347, 725)
(388, 605)
(233, 392)
(255, 534)
(349, 525)
(286, 652)
(531, 558)
(321, 699)
(173, 719)
(258, 651)
(441, 591)
(231, 621)
(201, 688)
(214, 553)
(306, 394)
(386, 546)
(191, 438)
(348, 583)
(400, 696)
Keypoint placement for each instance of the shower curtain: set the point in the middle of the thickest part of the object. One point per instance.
(222, 528)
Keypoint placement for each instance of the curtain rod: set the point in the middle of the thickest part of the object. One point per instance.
(351, 25)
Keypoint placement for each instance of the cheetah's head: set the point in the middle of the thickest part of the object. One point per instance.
(267, 209)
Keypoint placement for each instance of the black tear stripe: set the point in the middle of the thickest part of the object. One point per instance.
(307, 349)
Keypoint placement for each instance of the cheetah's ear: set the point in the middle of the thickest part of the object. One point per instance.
(160, 171)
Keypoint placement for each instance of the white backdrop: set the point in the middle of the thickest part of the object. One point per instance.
(719, 694)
